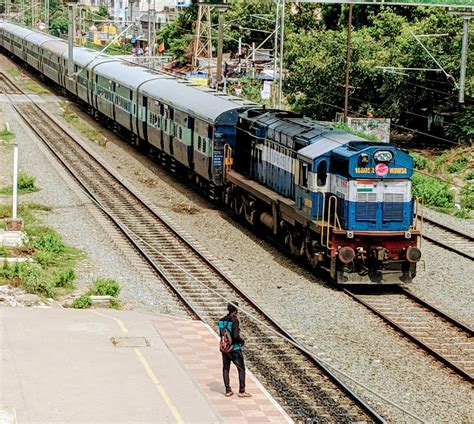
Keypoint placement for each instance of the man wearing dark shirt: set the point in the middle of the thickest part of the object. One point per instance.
(232, 324)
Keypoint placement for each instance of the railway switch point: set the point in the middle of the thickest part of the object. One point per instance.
(108, 366)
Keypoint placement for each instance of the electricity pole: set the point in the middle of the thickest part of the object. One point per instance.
(275, 53)
(46, 14)
(348, 63)
(71, 29)
(465, 40)
(151, 30)
(282, 38)
(221, 8)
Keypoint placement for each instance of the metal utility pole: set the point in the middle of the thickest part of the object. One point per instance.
(275, 53)
(282, 39)
(465, 40)
(221, 8)
(46, 14)
(71, 29)
(151, 30)
(131, 10)
(348, 63)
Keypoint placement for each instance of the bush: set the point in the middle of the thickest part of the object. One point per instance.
(463, 213)
(35, 281)
(467, 196)
(65, 278)
(26, 183)
(49, 242)
(419, 161)
(458, 165)
(105, 287)
(82, 302)
(432, 191)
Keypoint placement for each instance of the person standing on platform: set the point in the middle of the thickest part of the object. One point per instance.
(231, 345)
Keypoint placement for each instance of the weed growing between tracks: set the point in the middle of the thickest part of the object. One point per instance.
(51, 273)
(83, 127)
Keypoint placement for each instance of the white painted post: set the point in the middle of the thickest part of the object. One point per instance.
(15, 181)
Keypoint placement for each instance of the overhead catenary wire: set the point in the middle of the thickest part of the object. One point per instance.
(400, 126)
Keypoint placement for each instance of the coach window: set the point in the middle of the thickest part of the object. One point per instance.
(322, 173)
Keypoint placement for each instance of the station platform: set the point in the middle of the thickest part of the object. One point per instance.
(108, 366)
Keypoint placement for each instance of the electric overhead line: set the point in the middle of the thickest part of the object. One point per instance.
(403, 111)
(412, 168)
(403, 127)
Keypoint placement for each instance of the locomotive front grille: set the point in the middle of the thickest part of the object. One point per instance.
(366, 207)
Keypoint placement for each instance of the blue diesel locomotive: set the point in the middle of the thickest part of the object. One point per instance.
(340, 202)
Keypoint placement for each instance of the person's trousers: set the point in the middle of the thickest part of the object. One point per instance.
(237, 357)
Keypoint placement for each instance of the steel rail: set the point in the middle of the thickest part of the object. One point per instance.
(115, 180)
(458, 236)
(397, 320)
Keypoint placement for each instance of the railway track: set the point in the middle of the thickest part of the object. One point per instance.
(448, 340)
(8, 86)
(310, 391)
(448, 238)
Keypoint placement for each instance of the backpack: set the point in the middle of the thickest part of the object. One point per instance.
(225, 343)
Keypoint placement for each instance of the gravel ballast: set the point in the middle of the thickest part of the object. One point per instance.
(338, 330)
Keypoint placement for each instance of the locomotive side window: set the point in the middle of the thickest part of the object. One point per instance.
(304, 175)
(322, 173)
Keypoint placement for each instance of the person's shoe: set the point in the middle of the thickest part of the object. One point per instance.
(228, 394)
(245, 394)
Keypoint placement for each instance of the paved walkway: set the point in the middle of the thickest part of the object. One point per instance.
(106, 366)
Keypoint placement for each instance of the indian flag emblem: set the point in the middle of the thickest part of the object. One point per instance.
(365, 187)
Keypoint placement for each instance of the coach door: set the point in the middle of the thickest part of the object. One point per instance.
(144, 115)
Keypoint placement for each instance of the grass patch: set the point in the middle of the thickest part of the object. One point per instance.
(35, 88)
(14, 72)
(104, 287)
(457, 165)
(26, 184)
(4, 251)
(432, 191)
(7, 136)
(84, 128)
(82, 302)
(467, 196)
(52, 273)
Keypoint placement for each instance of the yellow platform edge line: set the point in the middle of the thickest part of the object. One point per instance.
(160, 388)
(118, 321)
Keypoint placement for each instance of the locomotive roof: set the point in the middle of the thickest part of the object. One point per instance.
(327, 142)
(312, 138)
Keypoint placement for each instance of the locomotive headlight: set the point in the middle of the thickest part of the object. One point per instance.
(413, 254)
(383, 156)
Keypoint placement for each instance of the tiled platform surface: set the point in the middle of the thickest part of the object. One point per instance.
(196, 347)
(60, 366)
